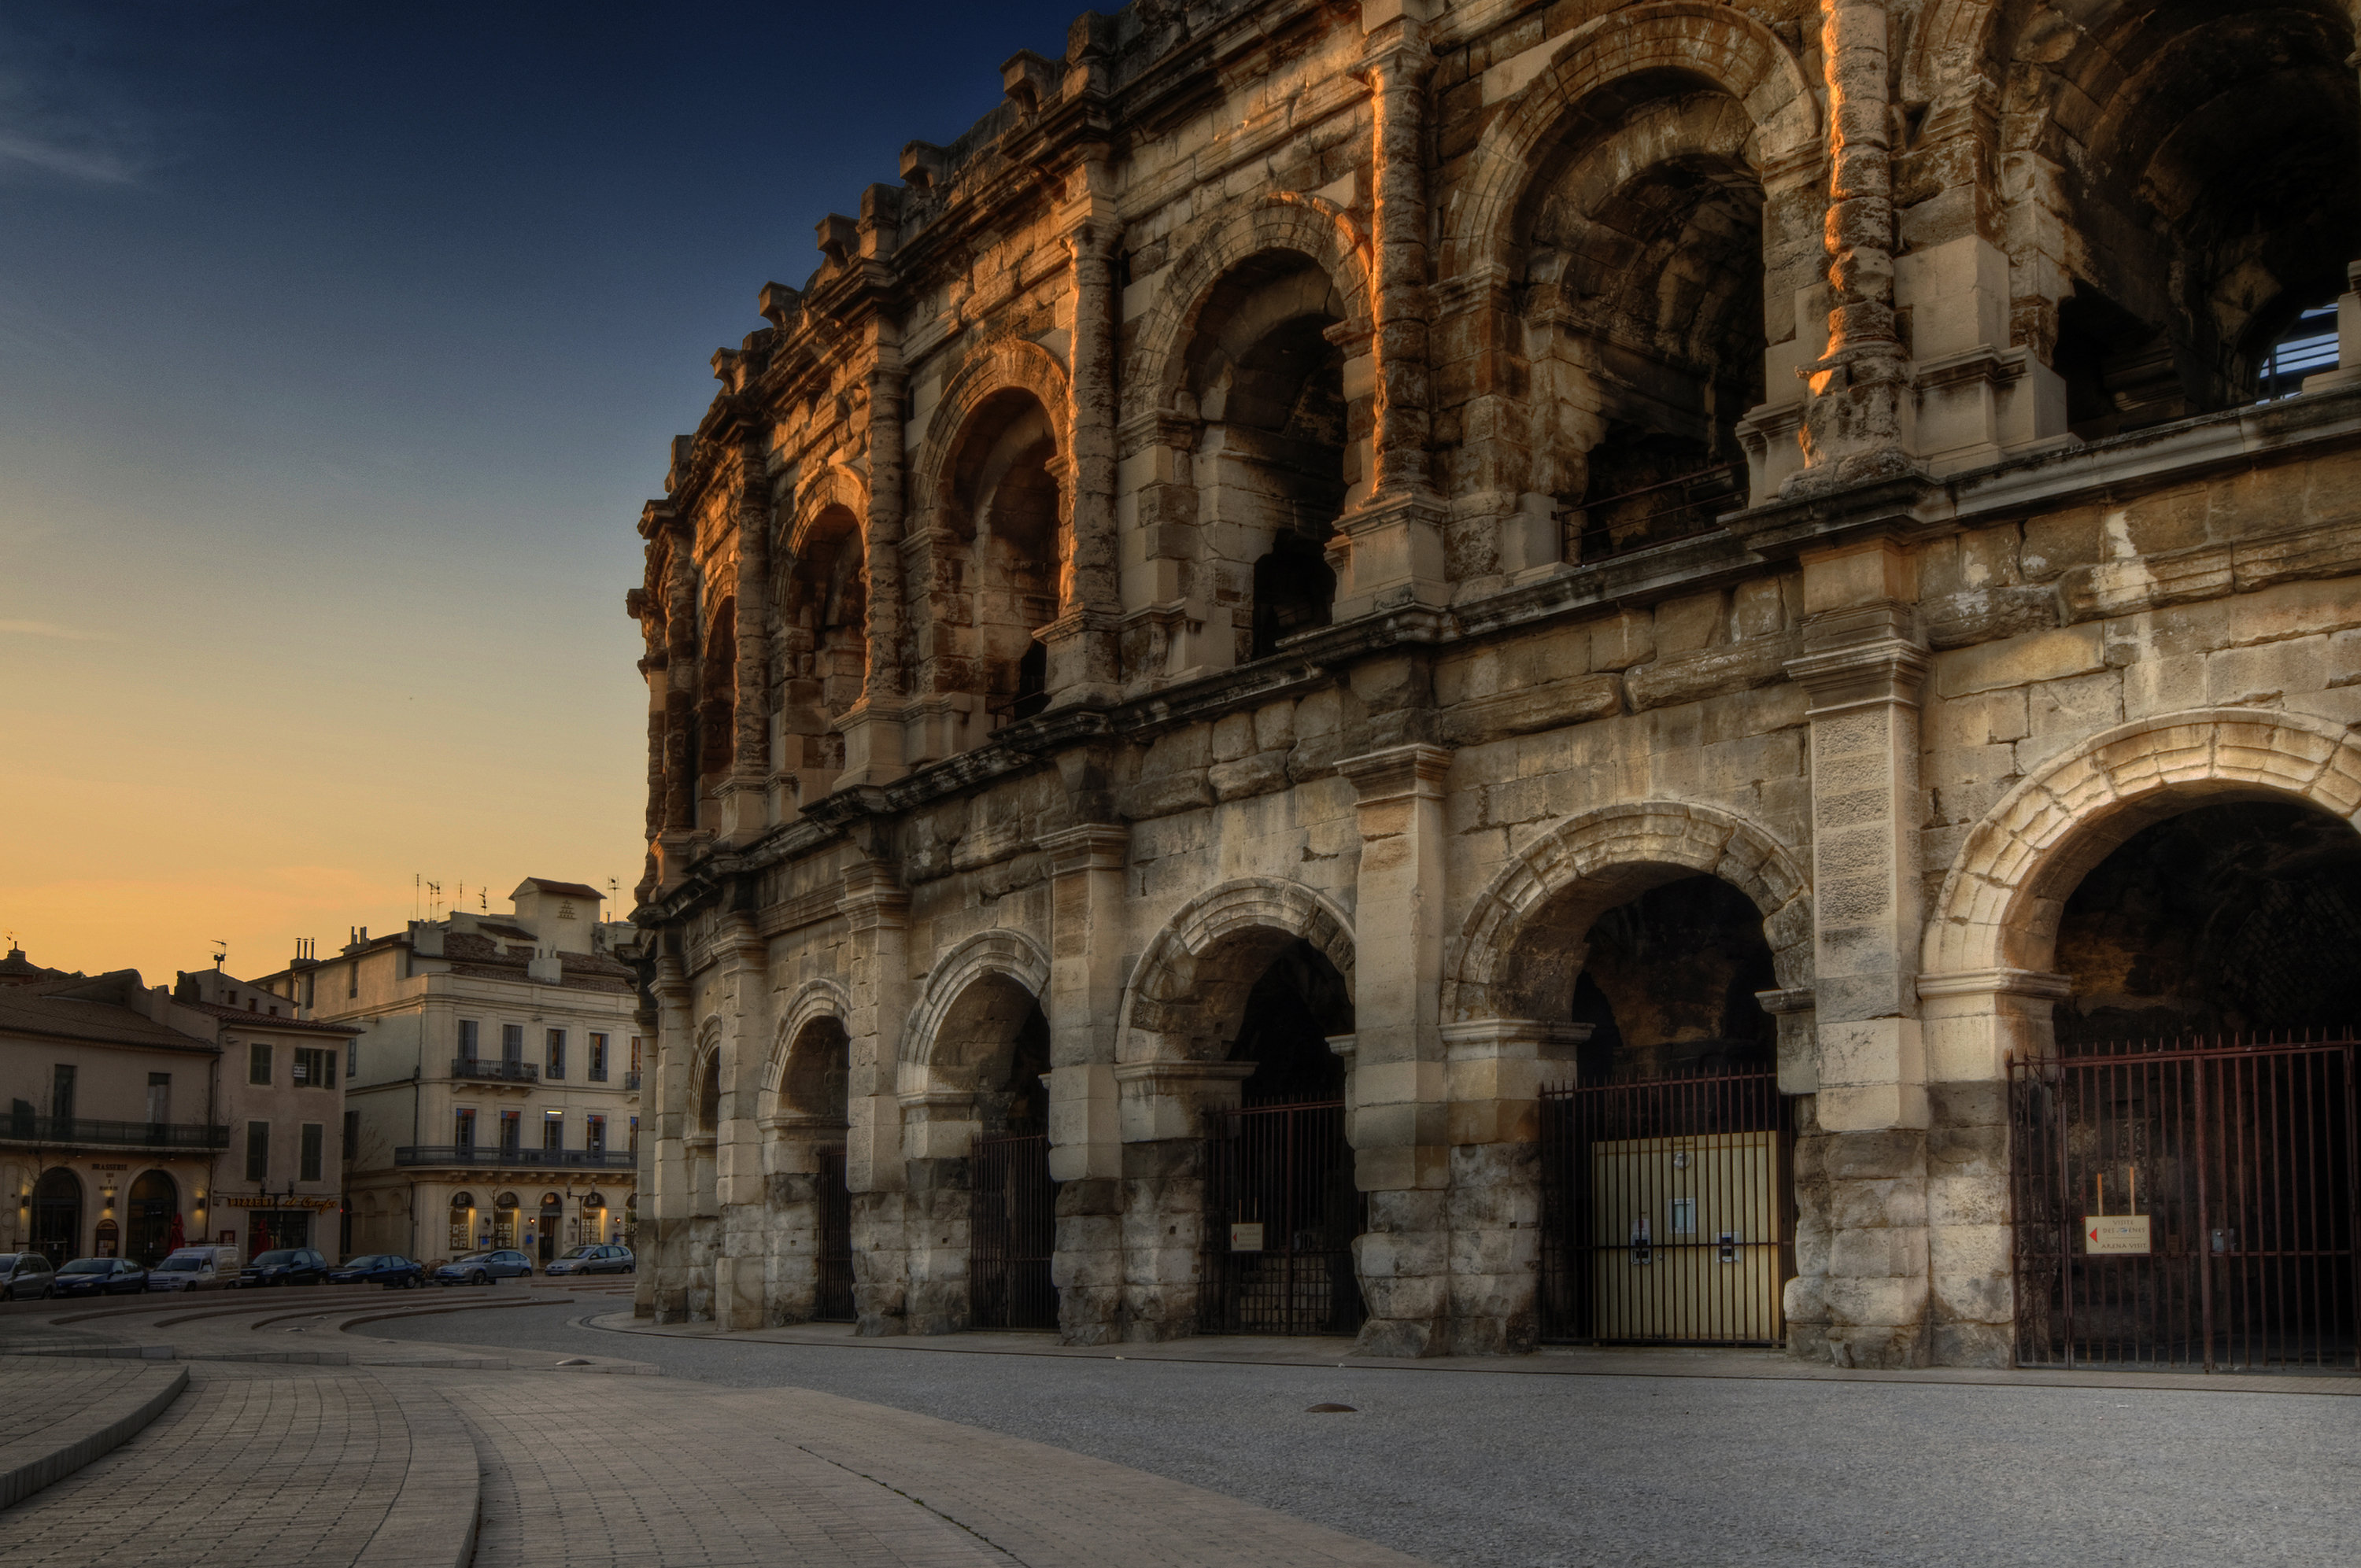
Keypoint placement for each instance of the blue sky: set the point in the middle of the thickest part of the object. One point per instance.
(339, 346)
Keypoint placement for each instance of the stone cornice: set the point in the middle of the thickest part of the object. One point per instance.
(1397, 772)
(1996, 983)
(1093, 847)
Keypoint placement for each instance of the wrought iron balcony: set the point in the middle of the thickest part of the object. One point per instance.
(489, 1069)
(631, 1081)
(492, 1155)
(20, 1128)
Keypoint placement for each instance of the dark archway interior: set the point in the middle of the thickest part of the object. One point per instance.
(708, 1096)
(2229, 919)
(2212, 159)
(1292, 1009)
(155, 1199)
(716, 707)
(819, 1071)
(57, 1215)
(1669, 985)
(824, 613)
(1003, 504)
(1020, 1101)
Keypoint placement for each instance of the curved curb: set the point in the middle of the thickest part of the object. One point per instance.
(28, 1477)
(432, 1519)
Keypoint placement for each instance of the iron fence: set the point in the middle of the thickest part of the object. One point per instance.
(1282, 1211)
(24, 1127)
(832, 1299)
(2188, 1204)
(1667, 1212)
(1663, 513)
(488, 1070)
(514, 1157)
(1013, 1234)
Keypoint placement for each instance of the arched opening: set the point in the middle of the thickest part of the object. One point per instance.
(504, 1220)
(708, 1096)
(2185, 1163)
(984, 1073)
(154, 1213)
(1641, 242)
(594, 1218)
(546, 1225)
(824, 654)
(2208, 156)
(1283, 1207)
(461, 1234)
(1279, 456)
(813, 1120)
(57, 1215)
(716, 703)
(1667, 1189)
(1000, 580)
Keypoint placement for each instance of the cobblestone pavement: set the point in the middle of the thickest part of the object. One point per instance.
(1502, 1468)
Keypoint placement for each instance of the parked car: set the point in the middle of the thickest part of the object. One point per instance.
(195, 1268)
(390, 1270)
(100, 1277)
(25, 1277)
(285, 1266)
(483, 1268)
(592, 1260)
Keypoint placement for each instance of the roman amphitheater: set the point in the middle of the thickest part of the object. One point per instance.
(1491, 673)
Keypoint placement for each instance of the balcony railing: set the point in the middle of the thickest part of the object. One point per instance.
(1678, 509)
(28, 1129)
(491, 1154)
(489, 1069)
(631, 1081)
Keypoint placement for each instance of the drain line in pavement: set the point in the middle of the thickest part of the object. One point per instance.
(921, 1502)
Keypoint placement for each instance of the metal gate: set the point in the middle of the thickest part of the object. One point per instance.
(1013, 1232)
(1281, 1211)
(1667, 1214)
(2187, 1204)
(832, 1297)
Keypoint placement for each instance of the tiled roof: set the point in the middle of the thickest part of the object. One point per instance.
(248, 1020)
(80, 1007)
(564, 889)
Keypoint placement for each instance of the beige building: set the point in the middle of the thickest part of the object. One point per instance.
(1480, 671)
(140, 1120)
(494, 1083)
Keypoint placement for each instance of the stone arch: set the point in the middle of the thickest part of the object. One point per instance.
(832, 487)
(1724, 46)
(817, 999)
(1281, 221)
(1010, 954)
(1998, 911)
(705, 1081)
(1171, 989)
(1011, 364)
(1591, 863)
(1950, 52)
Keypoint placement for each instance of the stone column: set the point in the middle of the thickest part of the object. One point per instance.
(664, 1204)
(1975, 1024)
(739, 1269)
(746, 810)
(938, 1133)
(1495, 1071)
(1393, 540)
(876, 911)
(1862, 667)
(1085, 996)
(1397, 1108)
(680, 716)
(1853, 423)
(1164, 1107)
(1082, 641)
(872, 726)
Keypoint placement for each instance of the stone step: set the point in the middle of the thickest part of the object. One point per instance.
(58, 1413)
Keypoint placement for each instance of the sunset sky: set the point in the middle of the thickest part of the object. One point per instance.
(339, 346)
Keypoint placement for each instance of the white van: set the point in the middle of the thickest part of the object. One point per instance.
(195, 1268)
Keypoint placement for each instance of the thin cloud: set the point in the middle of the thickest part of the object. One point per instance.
(52, 628)
(93, 165)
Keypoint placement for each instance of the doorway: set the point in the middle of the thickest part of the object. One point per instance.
(57, 1215)
(154, 1205)
(1014, 1215)
(832, 1297)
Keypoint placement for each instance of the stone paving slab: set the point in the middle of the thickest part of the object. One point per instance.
(1551, 1361)
(58, 1414)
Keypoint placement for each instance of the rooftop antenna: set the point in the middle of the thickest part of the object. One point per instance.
(434, 900)
(221, 954)
(483, 901)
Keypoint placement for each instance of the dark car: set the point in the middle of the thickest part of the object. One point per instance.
(25, 1277)
(596, 1259)
(285, 1266)
(390, 1270)
(100, 1277)
(483, 1268)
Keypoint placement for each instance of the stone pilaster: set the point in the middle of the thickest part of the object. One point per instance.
(872, 726)
(1083, 664)
(1392, 543)
(747, 795)
(1397, 1105)
(739, 1269)
(876, 912)
(1085, 997)
(1495, 1069)
(680, 760)
(1853, 421)
(1862, 667)
(666, 1200)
